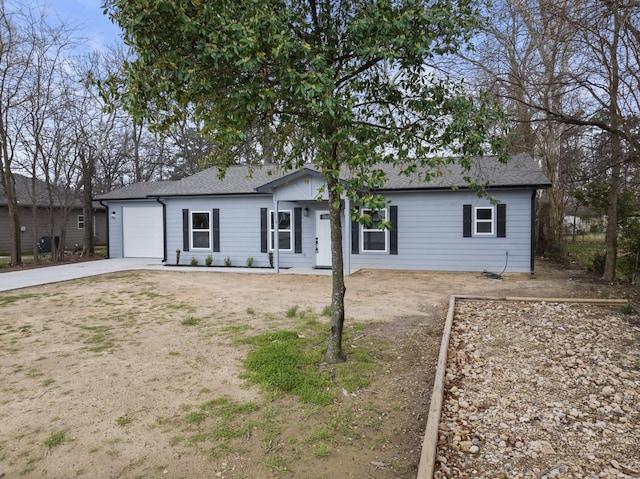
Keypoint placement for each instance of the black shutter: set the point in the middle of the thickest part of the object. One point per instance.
(466, 221)
(263, 230)
(502, 220)
(185, 230)
(355, 237)
(393, 234)
(297, 232)
(216, 230)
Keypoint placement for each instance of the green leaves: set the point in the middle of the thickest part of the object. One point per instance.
(344, 84)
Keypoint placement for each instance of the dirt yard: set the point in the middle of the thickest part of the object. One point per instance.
(139, 375)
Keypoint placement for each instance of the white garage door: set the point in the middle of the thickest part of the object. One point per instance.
(142, 232)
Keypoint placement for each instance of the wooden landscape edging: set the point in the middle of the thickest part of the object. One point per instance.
(430, 441)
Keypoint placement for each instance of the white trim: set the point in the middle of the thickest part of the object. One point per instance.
(78, 221)
(272, 227)
(200, 230)
(364, 229)
(491, 221)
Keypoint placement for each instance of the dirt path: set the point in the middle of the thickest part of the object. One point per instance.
(108, 377)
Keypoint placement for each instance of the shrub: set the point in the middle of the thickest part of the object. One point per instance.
(208, 260)
(250, 262)
(227, 261)
(194, 261)
(599, 260)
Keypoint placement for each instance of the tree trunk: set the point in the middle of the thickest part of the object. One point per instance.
(14, 217)
(34, 218)
(9, 184)
(614, 119)
(612, 217)
(334, 353)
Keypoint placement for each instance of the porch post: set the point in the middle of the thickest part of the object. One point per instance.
(346, 228)
(276, 236)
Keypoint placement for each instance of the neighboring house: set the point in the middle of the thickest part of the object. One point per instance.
(433, 226)
(32, 233)
(581, 220)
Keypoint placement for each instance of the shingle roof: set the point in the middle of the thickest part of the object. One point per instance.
(241, 179)
(26, 198)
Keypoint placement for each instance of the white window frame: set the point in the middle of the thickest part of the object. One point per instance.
(272, 230)
(193, 230)
(491, 221)
(80, 222)
(373, 229)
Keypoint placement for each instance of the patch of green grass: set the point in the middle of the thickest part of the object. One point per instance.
(194, 417)
(320, 434)
(223, 407)
(199, 437)
(285, 362)
(55, 439)
(48, 382)
(290, 362)
(292, 311)
(124, 420)
(236, 329)
(229, 433)
(584, 252)
(6, 300)
(278, 464)
(322, 450)
(101, 338)
(191, 321)
(326, 311)
(627, 309)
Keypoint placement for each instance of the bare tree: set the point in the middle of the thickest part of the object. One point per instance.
(524, 56)
(564, 65)
(51, 44)
(15, 58)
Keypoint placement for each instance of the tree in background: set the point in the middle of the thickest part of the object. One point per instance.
(346, 84)
(567, 69)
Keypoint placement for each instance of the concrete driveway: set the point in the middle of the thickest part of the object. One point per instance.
(65, 272)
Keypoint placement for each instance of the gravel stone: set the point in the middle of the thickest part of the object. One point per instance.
(541, 390)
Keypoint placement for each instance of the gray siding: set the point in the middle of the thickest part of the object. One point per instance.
(239, 231)
(32, 233)
(114, 217)
(430, 232)
(430, 235)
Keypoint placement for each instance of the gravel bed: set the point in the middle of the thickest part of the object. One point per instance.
(542, 390)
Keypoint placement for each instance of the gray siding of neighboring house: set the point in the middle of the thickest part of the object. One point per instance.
(30, 234)
(430, 234)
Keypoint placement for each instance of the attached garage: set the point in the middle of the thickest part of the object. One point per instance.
(142, 232)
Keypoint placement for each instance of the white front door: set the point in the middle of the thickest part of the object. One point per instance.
(323, 239)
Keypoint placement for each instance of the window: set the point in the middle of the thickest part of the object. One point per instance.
(373, 238)
(200, 230)
(284, 230)
(80, 222)
(483, 221)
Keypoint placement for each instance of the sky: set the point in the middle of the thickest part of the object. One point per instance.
(87, 17)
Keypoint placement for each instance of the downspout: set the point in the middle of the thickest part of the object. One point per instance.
(107, 224)
(533, 226)
(164, 229)
(346, 238)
